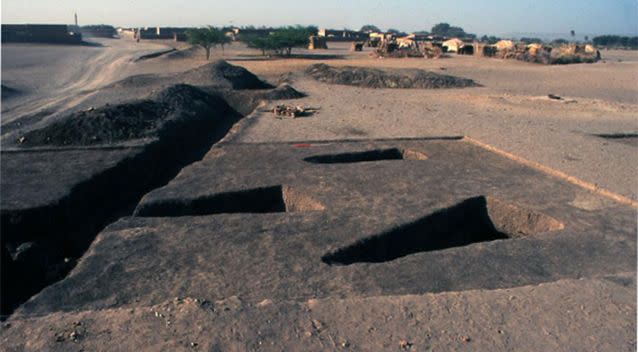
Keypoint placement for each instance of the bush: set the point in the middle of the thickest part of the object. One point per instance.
(616, 41)
(282, 40)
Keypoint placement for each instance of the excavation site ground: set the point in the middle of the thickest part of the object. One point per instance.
(158, 203)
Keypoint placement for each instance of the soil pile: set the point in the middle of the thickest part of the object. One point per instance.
(137, 81)
(8, 92)
(224, 74)
(187, 53)
(218, 74)
(155, 54)
(377, 78)
(129, 121)
(283, 92)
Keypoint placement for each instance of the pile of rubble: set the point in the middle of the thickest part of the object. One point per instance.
(289, 111)
(543, 54)
(408, 47)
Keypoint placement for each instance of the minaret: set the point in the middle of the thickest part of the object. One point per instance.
(76, 19)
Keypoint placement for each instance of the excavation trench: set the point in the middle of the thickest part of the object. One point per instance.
(40, 245)
(479, 219)
(367, 156)
(625, 138)
(273, 199)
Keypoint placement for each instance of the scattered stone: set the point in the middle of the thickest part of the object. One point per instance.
(317, 325)
(283, 111)
(75, 336)
(554, 97)
(405, 344)
(466, 338)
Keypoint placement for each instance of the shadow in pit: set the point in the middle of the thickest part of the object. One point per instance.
(479, 219)
(273, 199)
(365, 156)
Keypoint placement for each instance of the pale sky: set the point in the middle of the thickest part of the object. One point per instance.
(475, 16)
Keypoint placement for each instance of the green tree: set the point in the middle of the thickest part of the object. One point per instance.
(262, 43)
(224, 40)
(207, 38)
(445, 30)
(397, 32)
(490, 39)
(369, 28)
(440, 29)
(527, 40)
(281, 40)
(286, 38)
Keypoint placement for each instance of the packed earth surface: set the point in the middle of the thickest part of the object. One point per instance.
(152, 200)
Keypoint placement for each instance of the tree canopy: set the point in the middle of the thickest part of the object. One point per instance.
(397, 32)
(616, 41)
(207, 38)
(369, 28)
(445, 30)
(490, 39)
(282, 40)
(527, 40)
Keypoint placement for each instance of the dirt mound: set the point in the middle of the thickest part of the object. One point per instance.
(222, 73)
(283, 92)
(377, 78)
(8, 92)
(187, 53)
(155, 54)
(128, 121)
(219, 74)
(136, 81)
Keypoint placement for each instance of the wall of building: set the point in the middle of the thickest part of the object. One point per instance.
(98, 31)
(39, 33)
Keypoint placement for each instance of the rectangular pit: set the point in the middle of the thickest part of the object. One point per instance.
(475, 220)
(272, 199)
(366, 156)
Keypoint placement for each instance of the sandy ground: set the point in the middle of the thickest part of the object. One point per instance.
(53, 77)
(499, 320)
(510, 111)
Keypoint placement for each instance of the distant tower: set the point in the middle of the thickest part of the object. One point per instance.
(76, 19)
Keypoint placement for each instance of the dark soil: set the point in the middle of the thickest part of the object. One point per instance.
(137, 81)
(124, 122)
(222, 71)
(283, 92)
(377, 78)
(217, 73)
(8, 92)
(155, 54)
